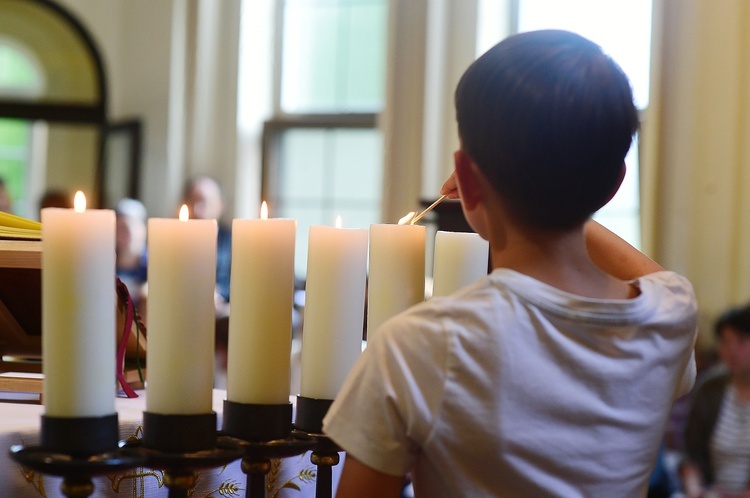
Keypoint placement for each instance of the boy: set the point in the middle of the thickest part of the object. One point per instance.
(554, 375)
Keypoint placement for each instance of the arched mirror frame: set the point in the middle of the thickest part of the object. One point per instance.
(93, 113)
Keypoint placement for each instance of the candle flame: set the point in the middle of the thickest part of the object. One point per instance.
(79, 202)
(184, 213)
(263, 211)
(339, 224)
(407, 219)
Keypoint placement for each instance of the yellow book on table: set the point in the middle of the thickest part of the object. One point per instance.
(16, 227)
(20, 304)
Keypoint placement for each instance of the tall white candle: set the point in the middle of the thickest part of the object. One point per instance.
(78, 311)
(334, 308)
(260, 328)
(397, 272)
(181, 321)
(461, 258)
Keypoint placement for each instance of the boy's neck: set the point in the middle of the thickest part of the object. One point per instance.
(557, 258)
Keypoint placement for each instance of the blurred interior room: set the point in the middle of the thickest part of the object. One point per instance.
(325, 107)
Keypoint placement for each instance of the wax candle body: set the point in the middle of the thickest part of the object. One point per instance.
(334, 308)
(78, 312)
(397, 272)
(181, 323)
(260, 328)
(461, 258)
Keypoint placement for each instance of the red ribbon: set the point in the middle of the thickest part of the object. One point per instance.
(123, 346)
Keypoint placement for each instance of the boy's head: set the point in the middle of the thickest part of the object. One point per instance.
(548, 118)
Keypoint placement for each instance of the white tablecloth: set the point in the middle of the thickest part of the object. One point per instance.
(20, 424)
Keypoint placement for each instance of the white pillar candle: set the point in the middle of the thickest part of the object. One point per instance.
(397, 272)
(334, 308)
(181, 316)
(461, 258)
(78, 311)
(260, 328)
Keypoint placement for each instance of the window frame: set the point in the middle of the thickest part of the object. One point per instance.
(282, 121)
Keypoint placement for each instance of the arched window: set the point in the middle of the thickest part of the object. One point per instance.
(51, 75)
(20, 77)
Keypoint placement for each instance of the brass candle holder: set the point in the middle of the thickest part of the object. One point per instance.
(76, 449)
(308, 424)
(264, 432)
(181, 445)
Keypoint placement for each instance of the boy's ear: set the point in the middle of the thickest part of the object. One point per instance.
(469, 181)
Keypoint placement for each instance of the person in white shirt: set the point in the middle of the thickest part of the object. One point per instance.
(555, 374)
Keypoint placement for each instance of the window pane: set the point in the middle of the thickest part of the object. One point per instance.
(301, 165)
(333, 56)
(621, 27)
(326, 172)
(14, 151)
(356, 161)
(18, 73)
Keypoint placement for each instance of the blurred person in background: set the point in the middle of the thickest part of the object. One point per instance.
(131, 250)
(205, 201)
(717, 434)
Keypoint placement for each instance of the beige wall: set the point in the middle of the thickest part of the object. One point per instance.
(135, 39)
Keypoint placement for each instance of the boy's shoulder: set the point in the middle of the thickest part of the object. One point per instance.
(506, 296)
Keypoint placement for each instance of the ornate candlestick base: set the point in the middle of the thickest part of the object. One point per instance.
(77, 470)
(309, 424)
(179, 433)
(256, 422)
(76, 449)
(325, 456)
(310, 413)
(180, 445)
(256, 462)
(264, 432)
(180, 468)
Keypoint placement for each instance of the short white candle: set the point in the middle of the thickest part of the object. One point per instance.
(181, 316)
(397, 272)
(260, 328)
(78, 311)
(334, 309)
(461, 258)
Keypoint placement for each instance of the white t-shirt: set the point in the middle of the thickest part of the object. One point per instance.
(512, 387)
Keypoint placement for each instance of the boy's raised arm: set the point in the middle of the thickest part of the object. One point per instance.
(606, 249)
(614, 255)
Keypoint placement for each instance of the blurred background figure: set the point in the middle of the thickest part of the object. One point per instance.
(717, 434)
(6, 205)
(130, 249)
(205, 200)
(56, 198)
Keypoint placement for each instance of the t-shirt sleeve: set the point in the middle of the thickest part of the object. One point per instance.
(384, 411)
(678, 305)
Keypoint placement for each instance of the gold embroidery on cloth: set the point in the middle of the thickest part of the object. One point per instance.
(305, 475)
(36, 480)
(138, 476)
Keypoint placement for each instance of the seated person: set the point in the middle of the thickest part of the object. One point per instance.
(205, 201)
(56, 198)
(6, 205)
(131, 250)
(717, 434)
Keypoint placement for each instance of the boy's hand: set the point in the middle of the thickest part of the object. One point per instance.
(450, 187)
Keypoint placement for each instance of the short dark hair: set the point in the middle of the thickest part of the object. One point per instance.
(736, 318)
(548, 118)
